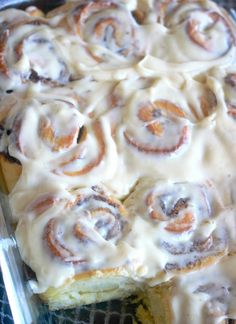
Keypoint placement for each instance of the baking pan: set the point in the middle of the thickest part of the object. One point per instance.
(26, 307)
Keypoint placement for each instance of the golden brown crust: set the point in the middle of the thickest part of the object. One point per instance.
(9, 174)
(100, 273)
(159, 303)
(202, 263)
(89, 287)
(155, 305)
(195, 266)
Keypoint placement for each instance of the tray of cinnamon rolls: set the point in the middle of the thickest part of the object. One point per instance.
(117, 161)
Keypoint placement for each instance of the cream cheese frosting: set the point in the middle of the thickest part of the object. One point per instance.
(122, 116)
(209, 300)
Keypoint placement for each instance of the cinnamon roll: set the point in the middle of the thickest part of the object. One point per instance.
(55, 133)
(197, 297)
(155, 116)
(152, 123)
(29, 52)
(201, 24)
(56, 124)
(158, 124)
(190, 36)
(78, 239)
(185, 225)
(105, 30)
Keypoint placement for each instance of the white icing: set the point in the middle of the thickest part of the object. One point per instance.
(108, 102)
(206, 300)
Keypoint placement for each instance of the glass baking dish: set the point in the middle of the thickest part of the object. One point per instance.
(25, 306)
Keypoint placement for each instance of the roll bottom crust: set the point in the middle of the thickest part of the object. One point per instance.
(90, 287)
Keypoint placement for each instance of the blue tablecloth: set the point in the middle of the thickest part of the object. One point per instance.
(5, 312)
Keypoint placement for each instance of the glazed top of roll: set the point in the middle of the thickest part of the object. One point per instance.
(122, 118)
(205, 298)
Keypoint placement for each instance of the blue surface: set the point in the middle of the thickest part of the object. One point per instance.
(5, 312)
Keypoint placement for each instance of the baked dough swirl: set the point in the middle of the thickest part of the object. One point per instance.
(77, 232)
(70, 145)
(29, 52)
(164, 125)
(55, 127)
(105, 30)
(98, 218)
(158, 120)
(185, 219)
(186, 36)
(199, 23)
